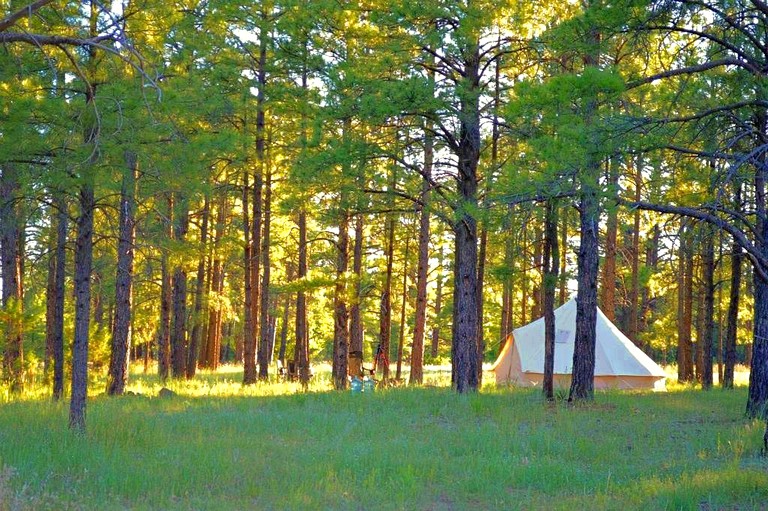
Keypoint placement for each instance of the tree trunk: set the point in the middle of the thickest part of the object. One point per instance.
(438, 305)
(221, 330)
(198, 326)
(213, 343)
(50, 299)
(537, 292)
(84, 253)
(385, 309)
(58, 313)
(121, 333)
(286, 314)
(685, 298)
(341, 317)
(652, 263)
(302, 348)
(264, 343)
(12, 299)
(249, 341)
(355, 320)
(249, 373)
(166, 291)
(708, 332)
(179, 295)
(401, 333)
(582, 383)
(480, 302)
(422, 271)
(524, 276)
(551, 262)
(284, 330)
(563, 258)
(255, 273)
(634, 291)
(733, 306)
(698, 323)
(83, 265)
(508, 282)
(683, 355)
(464, 343)
(164, 337)
(608, 284)
(757, 400)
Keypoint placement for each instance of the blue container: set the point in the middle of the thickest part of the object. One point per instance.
(356, 385)
(368, 385)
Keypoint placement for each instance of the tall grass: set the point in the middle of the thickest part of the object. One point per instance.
(216, 445)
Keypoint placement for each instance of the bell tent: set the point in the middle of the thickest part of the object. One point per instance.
(618, 362)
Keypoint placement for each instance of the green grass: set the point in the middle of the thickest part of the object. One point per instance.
(272, 446)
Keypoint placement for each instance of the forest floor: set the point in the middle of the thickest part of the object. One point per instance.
(216, 445)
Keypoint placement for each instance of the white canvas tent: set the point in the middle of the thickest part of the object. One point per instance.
(618, 362)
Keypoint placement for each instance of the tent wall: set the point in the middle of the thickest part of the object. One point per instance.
(509, 368)
(601, 382)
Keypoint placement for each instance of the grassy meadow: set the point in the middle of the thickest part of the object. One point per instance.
(217, 445)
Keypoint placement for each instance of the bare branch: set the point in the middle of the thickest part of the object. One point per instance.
(417, 201)
(26, 11)
(716, 110)
(61, 42)
(704, 35)
(759, 260)
(689, 70)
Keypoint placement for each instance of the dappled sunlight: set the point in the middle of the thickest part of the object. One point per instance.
(226, 381)
(740, 378)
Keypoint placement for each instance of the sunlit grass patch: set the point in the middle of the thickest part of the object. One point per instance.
(216, 444)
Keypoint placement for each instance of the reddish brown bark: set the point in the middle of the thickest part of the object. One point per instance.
(198, 316)
(249, 342)
(422, 270)
(118, 363)
(264, 320)
(355, 319)
(401, 335)
(341, 316)
(385, 304)
(166, 291)
(212, 354)
(178, 340)
(302, 347)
